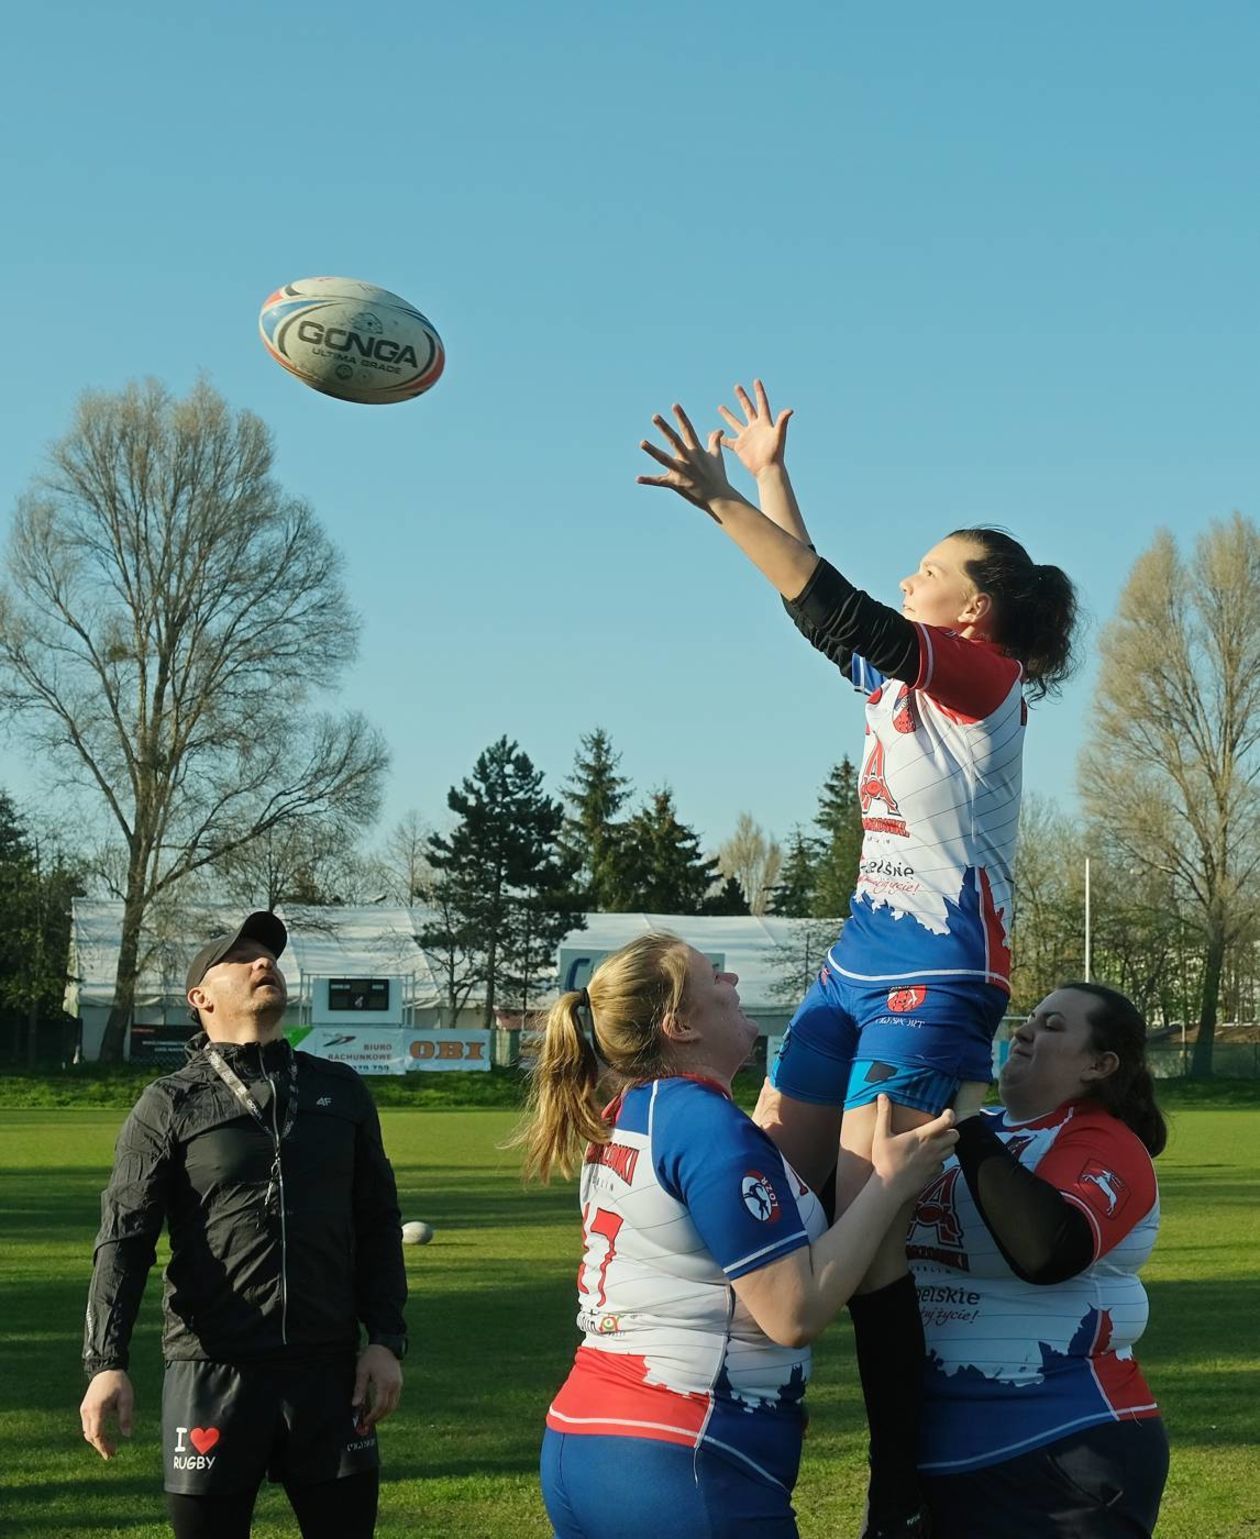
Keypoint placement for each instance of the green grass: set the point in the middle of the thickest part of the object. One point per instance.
(491, 1318)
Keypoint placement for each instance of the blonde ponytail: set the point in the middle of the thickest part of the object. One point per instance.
(564, 1101)
(631, 993)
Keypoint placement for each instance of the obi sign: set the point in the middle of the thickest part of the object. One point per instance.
(385, 1051)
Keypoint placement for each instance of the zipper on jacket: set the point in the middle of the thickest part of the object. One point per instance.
(284, 1250)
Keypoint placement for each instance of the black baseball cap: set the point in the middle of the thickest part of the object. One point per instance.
(263, 926)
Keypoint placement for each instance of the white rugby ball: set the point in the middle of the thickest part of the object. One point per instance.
(352, 340)
(417, 1232)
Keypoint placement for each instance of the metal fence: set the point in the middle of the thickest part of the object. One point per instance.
(1230, 1060)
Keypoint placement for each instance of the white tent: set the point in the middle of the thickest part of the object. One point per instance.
(770, 954)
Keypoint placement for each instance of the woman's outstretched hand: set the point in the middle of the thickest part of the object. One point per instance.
(695, 471)
(761, 439)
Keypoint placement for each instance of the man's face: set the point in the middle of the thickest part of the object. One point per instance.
(246, 989)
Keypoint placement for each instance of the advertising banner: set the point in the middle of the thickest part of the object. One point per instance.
(388, 1050)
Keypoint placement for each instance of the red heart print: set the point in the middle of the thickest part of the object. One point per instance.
(203, 1439)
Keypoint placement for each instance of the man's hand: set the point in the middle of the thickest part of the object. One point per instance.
(108, 1395)
(694, 471)
(760, 440)
(377, 1385)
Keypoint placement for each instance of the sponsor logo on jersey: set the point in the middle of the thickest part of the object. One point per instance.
(619, 1158)
(902, 1000)
(760, 1198)
(1115, 1192)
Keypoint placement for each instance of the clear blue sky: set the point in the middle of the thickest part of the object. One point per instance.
(1002, 260)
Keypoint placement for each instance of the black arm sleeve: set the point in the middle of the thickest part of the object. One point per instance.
(380, 1277)
(133, 1208)
(840, 620)
(1043, 1237)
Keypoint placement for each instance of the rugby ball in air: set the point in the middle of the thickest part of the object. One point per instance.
(352, 340)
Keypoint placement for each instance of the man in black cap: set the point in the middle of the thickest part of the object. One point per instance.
(268, 1168)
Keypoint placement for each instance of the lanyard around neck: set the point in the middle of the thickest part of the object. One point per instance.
(241, 1091)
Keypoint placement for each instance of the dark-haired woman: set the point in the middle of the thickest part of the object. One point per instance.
(1026, 1251)
(914, 988)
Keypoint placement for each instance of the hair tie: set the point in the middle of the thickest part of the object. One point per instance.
(584, 1000)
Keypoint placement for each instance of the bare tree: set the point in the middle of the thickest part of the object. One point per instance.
(753, 860)
(168, 615)
(404, 861)
(1048, 933)
(453, 942)
(1172, 767)
(309, 861)
(795, 962)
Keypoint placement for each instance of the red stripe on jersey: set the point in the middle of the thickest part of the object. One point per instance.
(967, 679)
(1122, 1386)
(997, 952)
(607, 1394)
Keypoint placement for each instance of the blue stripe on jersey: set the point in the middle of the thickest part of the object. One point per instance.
(864, 677)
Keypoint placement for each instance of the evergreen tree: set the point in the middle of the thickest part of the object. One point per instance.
(793, 894)
(839, 823)
(659, 866)
(37, 883)
(596, 793)
(502, 887)
(729, 899)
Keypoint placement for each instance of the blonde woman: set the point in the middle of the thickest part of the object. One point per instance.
(708, 1267)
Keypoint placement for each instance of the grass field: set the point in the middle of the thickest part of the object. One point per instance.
(491, 1318)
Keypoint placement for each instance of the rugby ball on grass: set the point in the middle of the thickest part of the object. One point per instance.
(352, 340)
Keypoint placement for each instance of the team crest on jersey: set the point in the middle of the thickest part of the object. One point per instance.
(873, 787)
(1114, 1191)
(760, 1198)
(902, 1000)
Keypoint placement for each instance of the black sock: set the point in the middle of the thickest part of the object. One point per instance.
(888, 1334)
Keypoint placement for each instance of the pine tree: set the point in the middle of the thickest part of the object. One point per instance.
(596, 793)
(659, 866)
(729, 899)
(793, 895)
(839, 823)
(37, 883)
(503, 887)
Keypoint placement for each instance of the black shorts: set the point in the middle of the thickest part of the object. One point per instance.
(225, 1426)
(1103, 1482)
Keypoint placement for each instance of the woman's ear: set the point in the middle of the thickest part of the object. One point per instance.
(1103, 1067)
(977, 610)
(675, 1029)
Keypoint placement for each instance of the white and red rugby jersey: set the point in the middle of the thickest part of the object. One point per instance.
(940, 790)
(1012, 1365)
(687, 1196)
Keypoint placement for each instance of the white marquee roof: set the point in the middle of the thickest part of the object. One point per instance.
(378, 940)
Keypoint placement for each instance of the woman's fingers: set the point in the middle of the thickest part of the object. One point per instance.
(688, 432)
(667, 432)
(659, 455)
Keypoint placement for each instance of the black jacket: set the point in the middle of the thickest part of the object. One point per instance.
(252, 1274)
